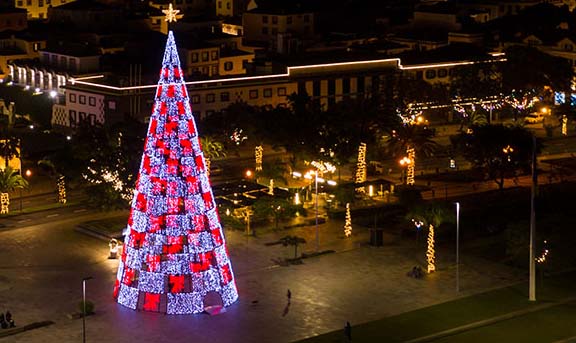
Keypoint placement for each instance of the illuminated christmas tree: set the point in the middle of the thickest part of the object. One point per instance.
(174, 251)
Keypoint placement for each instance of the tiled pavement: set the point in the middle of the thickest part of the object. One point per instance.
(41, 268)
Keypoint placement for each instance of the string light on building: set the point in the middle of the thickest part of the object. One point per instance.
(175, 258)
(564, 125)
(271, 187)
(258, 151)
(430, 252)
(348, 222)
(361, 168)
(61, 189)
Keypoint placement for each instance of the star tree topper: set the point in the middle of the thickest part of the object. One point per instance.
(171, 14)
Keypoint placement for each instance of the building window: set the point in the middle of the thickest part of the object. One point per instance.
(289, 20)
(92, 101)
(253, 94)
(331, 87)
(430, 74)
(442, 72)
(228, 66)
(82, 116)
(73, 116)
(224, 96)
(360, 85)
(112, 105)
(316, 88)
(264, 30)
(214, 55)
(82, 99)
(40, 3)
(28, 2)
(48, 2)
(219, 4)
(281, 91)
(195, 57)
(267, 92)
(274, 31)
(205, 56)
(195, 99)
(265, 19)
(306, 18)
(214, 70)
(346, 86)
(72, 98)
(274, 20)
(20, 3)
(210, 97)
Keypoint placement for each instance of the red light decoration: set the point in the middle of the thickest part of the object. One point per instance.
(175, 251)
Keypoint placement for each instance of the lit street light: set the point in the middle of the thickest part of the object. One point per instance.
(317, 179)
(84, 307)
(457, 247)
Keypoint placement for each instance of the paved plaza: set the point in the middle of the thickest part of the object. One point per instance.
(42, 267)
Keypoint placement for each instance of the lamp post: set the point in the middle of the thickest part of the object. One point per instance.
(317, 179)
(457, 247)
(84, 307)
(28, 173)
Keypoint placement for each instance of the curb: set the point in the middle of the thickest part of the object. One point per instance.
(20, 329)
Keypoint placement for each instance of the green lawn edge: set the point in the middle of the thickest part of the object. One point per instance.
(455, 313)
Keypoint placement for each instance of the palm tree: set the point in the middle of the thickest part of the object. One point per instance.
(292, 240)
(9, 181)
(411, 140)
(433, 215)
(212, 149)
(9, 148)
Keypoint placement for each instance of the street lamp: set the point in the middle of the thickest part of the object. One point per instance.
(28, 173)
(457, 247)
(84, 307)
(317, 179)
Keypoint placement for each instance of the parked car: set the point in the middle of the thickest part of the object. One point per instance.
(534, 118)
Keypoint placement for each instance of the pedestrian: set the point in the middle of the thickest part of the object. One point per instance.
(289, 295)
(348, 332)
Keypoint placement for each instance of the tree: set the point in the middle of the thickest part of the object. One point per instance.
(499, 150)
(479, 80)
(9, 148)
(412, 140)
(294, 241)
(174, 234)
(212, 149)
(432, 215)
(9, 181)
(275, 208)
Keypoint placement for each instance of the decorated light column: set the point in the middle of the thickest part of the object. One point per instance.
(361, 168)
(258, 157)
(61, 189)
(175, 258)
(348, 222)
(430, 252)
(410, 166)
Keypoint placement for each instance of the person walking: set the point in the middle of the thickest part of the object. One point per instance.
(348, 332)
(289, 295)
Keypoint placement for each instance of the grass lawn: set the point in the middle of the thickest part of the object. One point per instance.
(471, 309)
(548, 325)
